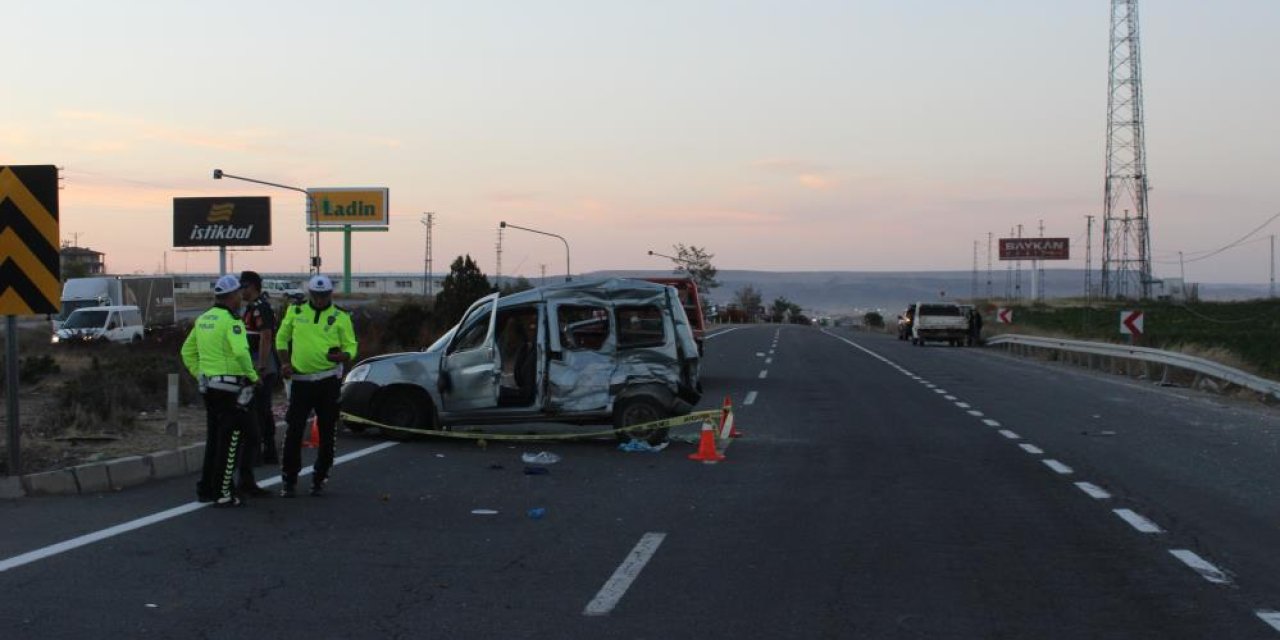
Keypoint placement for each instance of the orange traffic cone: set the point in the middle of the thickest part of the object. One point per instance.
(707, 446)
(313, 438)
(727, 428)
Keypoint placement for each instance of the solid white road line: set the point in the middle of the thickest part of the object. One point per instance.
(976, 414)
(1201, 566)
(1058, 467)
(1032, 449)
(722, 332)
(624, 575)
(146, 521)
(1094, 491)
(764, 374)
(1138, 521)
(990, 423)
(1270, 617)
(1009, 434)
(750, 399)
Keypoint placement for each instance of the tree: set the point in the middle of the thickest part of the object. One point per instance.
(696, 263)
(749, 300)
(873, 319)
(464, 285)
(783, 310)
(519, 284)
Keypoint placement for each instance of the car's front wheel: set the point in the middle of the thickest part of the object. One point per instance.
(402, 408)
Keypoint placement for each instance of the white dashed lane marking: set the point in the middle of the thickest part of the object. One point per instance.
(1270, 617)
(1057, 467)
(1094, 491)
(624, 575)
(1138, 521)
(1032, 449)
(764, 374)
(750, 399)
(1009, 434)
(949, 398)
(990, 423)
(963, 405)
(1201, 566)
(976, 414)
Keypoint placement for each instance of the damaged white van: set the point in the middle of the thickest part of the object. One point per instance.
(593, 352)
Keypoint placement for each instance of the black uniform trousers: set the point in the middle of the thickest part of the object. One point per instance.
(225, 426)
(261, 408)
(320, 396)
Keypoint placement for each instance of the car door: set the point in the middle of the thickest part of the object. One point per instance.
(114, 331)
(469, 370)
(581, 361)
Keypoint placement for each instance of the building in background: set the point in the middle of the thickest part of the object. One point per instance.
(78, 262)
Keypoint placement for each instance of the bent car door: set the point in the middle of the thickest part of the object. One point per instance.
(469, 371)
(582, 360)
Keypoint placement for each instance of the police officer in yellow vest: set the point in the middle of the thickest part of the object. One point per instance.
(314, 341)
(217, 354)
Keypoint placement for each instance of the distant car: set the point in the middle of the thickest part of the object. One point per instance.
(589, 352)
(939, 322)
(904, 323)
(284, 290)
(121, 323)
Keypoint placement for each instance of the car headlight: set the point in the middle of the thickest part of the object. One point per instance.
(358, 374)
(54, 339)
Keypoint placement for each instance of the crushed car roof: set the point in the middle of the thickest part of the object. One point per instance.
(615, 289)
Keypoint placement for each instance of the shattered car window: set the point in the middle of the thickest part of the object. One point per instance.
(640, 326)
(582, 327)
(475, 331)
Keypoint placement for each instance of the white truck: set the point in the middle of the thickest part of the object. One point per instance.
(152, 295)
(939, 322)
(116, 323)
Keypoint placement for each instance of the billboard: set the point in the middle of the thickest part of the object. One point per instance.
(222, 222)
(354, 206)
(1035, 248)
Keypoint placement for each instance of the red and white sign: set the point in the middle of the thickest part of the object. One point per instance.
(1131, 323)
(1004, 315)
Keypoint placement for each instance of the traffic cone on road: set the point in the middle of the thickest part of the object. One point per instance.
(707, 446)
(313, 437)
(727, 428)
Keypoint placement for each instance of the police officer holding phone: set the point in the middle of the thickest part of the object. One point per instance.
(217, 354)
(315, 340)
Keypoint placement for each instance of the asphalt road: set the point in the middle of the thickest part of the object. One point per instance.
(862, 503)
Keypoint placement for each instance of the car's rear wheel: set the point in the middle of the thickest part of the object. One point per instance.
(402, 408)
(639, 410)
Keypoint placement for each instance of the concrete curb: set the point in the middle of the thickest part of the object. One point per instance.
(107, 475)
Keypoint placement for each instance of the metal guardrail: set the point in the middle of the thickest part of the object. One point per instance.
(1201, 367)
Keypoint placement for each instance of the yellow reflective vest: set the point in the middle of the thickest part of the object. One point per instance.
(217, 346)
(313, 332)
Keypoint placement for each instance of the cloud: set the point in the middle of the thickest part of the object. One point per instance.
(814, 181)
(806, 174)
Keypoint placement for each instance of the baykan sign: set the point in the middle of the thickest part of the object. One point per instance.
(357, 207)
(1035, 248)
(222, 222)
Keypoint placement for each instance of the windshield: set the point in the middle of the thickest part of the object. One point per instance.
(70, 306)
(86, 320)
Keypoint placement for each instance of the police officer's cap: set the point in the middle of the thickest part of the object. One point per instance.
(320, 284)
(226, 284)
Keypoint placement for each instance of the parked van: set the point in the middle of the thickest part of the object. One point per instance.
(594, 352)
(102, 324)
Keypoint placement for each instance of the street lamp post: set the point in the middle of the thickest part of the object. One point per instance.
(219, 174)
(671, 258)
(567, 271)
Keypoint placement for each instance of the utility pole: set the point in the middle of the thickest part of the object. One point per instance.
(428, 221)
(1008, 274)
(543, 267)
(1126, 249)
(1182, 272)
(497, 277)
(1040, 271)
(1273, 265)
(1088, 261)
(989, 236)
(1017, 273)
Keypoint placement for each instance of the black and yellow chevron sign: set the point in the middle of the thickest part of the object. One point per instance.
(30, 265)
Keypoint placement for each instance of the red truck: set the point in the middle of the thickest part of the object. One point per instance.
(691, 302)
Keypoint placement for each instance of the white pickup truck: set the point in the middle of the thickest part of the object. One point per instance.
(940, 322)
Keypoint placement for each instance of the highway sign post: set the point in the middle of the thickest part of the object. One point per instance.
(1131, 324)
(349, 209)
(30, 268)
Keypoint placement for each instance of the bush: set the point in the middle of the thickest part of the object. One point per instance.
(31, 369)
(873, 319)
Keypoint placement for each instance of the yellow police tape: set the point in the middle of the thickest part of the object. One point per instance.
(710, 415)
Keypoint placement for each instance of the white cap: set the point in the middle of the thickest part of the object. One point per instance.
(226, 284)
(320, 284)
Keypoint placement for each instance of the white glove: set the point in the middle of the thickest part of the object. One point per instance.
(202, 383)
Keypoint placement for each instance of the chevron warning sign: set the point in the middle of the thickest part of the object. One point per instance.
(30, 265)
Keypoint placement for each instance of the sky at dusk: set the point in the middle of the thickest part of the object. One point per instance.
(798, 135)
